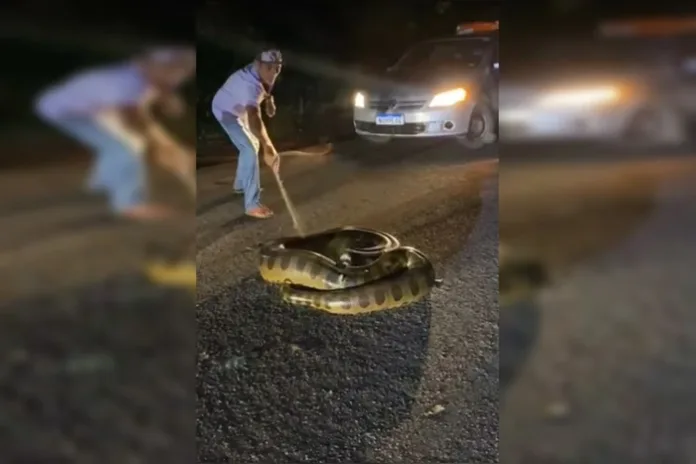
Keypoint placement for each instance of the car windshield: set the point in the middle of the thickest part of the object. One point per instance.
(445, 53)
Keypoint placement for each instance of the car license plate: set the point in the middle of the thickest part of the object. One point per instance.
(390, 120)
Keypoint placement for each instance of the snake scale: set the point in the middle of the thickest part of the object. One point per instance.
(349, 270)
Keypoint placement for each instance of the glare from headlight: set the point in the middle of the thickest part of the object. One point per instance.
(359, 100)
(448, 98)
(582, 97)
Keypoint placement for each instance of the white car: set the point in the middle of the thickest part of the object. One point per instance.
(439, 88)
(626, 90)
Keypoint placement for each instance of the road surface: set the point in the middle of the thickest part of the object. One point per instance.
(97, 363)
(420, 384)
(598, 367)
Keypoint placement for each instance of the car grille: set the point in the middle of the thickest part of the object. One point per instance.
(406, 129)
(394, 105)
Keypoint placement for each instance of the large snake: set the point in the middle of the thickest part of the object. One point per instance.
(348, 270)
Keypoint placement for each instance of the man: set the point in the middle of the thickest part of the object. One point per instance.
(236, 106)
(108, 110)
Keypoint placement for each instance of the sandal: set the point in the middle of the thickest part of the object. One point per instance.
(260, 212)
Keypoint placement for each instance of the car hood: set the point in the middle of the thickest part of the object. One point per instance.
(418, 83)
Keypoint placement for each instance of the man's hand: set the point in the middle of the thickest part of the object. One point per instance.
(258, 129)
(270, 106)
(271, 158)
(172, 105)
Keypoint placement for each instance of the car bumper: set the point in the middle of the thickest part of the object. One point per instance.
(440, 122)
(552, 125)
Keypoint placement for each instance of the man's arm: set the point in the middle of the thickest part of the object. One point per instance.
(270, 107)
(141, 120)
(171, 104)
(258, 128)
(137, 118)
(162, 146)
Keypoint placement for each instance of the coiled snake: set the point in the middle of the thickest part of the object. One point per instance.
(349, 270)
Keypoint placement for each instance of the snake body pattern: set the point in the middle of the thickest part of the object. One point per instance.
(349, 270)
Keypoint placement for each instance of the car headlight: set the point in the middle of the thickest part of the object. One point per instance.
(582, 97)
(359, 100)
(448, 98)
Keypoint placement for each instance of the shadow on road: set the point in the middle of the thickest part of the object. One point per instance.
(287, 384)
(203, 241)
(519, 327)
(310, 182)
(549, 242)
(109, 359)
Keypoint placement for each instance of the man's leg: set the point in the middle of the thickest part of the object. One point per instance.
(239, 175)
(238, 186)
(117, 169)
(247, 177)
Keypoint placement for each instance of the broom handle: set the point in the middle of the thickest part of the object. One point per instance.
(186, 174)
(288, 204)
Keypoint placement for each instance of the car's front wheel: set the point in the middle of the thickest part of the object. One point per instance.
(656, 126)
(482, 128)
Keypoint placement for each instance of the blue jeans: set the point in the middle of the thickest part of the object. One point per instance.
(117, 170)
(247, 179)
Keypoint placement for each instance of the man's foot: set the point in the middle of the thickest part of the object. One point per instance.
(260, 212)
(148, 212)
(241, 191)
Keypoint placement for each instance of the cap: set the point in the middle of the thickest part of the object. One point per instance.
(270, 56)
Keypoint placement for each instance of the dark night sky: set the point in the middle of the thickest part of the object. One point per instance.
(337, 35)
(146, 18)
(376, 32)
(76, 33)
(372, 32)
(347, 31)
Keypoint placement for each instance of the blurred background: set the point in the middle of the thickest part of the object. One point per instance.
(597, 232)
(593, 216)
(97, 360)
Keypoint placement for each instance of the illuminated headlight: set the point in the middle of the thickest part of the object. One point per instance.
(359, 100)
(582, 97)
(449, 98)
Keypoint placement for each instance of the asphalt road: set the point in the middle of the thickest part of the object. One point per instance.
(282, 384)
(598, 366)
(515, 154)
(97, 363)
